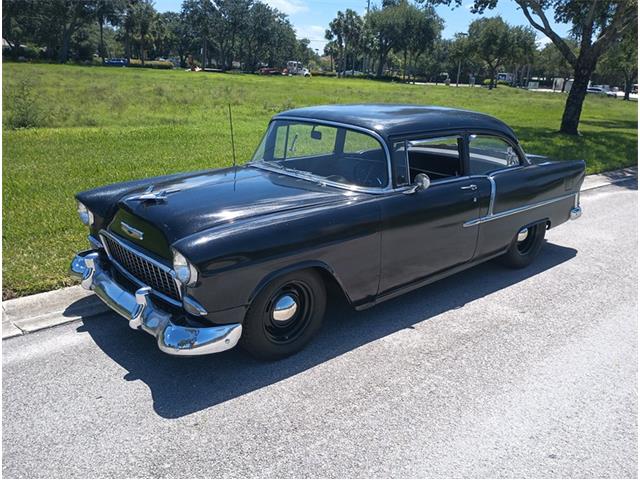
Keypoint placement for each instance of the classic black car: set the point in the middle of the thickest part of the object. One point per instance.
(375, 200)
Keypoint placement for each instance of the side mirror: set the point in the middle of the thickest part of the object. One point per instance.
(421, 182)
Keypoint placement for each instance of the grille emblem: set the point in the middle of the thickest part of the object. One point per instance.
(132, 232)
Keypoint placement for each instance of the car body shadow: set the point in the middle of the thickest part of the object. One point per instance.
(183, 385)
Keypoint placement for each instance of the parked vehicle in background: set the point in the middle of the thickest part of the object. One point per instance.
(505, 77)
(352, 73)
(374, 200)
(597, 90)
(269, 71)
(116, 62)
(634, 89)
(296, 68)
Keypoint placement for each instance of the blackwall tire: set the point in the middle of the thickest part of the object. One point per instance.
(522, 252)
(284, 316)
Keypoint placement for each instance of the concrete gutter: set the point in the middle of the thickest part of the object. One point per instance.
(44, 310)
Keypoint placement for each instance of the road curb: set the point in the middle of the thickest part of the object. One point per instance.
(49, 309)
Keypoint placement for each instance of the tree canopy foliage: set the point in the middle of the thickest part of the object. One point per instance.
(215, 32)
(595, 24)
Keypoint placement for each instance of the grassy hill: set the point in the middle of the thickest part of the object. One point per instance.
(93, 125)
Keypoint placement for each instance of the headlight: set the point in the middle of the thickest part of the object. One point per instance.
(186, 273)
(85, 214)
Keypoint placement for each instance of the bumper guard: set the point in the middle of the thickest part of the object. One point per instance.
(143, 314)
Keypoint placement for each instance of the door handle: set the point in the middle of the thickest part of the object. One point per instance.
(469, 187)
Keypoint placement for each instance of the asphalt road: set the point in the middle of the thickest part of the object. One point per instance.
(490, 373)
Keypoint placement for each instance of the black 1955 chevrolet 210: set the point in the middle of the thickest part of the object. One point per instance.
(374, 199)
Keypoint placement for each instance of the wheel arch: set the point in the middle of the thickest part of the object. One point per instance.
(328, 275)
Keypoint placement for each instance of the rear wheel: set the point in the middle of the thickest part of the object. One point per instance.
(525, 246)
(284, 316)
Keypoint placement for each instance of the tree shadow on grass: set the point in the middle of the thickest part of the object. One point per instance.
(183, 385)
(601, 150)
(611, 124)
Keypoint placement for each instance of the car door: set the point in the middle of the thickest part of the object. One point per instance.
(423, 233)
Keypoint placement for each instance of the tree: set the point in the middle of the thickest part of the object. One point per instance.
(70, 15)
(596, 24)
(386, 24)
(496, 43)
(622, 59)
(144, 18)
(345, 32)
(422, 28)
(200, 16)
(550, 63)
(18, 18)
(106, 11)
(180, 37)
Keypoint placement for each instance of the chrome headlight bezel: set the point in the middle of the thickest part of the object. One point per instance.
(86, 216)
(184, 270)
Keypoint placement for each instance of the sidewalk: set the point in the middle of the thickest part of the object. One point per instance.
(44, 310)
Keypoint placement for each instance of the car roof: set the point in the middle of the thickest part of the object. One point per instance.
(397, 120)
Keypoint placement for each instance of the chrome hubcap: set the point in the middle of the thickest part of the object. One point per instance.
(284, 309)
(523, 234)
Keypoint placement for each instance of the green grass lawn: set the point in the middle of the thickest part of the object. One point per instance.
(100, 125)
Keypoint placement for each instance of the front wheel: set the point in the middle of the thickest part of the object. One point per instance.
(284, 316)
(525, 246)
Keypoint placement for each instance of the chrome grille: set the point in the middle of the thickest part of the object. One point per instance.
(142, 269)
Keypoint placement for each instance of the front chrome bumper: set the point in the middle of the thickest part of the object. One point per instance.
(143, 314)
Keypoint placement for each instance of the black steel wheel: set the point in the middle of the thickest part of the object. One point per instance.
(284, 316)
(525, 246)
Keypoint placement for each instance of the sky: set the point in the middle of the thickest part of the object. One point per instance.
(311, 17)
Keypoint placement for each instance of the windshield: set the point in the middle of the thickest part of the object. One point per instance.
(335, 154)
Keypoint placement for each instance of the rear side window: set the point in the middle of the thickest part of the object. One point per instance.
(488, 153)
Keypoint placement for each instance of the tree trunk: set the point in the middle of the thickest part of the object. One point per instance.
(404, 65)
(573, 106)
(380, 64)
(344, 60)
(204, 52)
(628, 85)
(492, 79)
(101, 23)
(64, 51)
(127, 46)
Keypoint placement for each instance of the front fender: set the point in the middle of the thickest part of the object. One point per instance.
(235, 261)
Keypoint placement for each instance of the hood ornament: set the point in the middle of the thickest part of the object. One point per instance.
(150, 196)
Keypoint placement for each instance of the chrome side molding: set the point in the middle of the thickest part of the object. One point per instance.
(495, 216)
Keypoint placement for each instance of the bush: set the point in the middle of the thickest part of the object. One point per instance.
(318, 73)
(23, 110)
(165, 65)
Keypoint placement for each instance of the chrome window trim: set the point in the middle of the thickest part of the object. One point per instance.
(522, 156)
(323, 181)
(147, 258)
(492, 198)
(524, 208)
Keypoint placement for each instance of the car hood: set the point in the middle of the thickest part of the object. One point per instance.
(204, 200)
